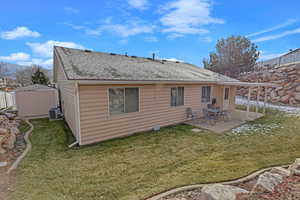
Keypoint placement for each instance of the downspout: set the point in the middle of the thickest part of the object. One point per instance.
(73, 144)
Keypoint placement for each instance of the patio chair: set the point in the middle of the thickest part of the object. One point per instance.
(224, 114)
(209, 117)
(190, 114)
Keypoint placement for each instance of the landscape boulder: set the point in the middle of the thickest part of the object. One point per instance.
(267, 182)
(221, 192)
(14, 130)
(295, 167)
(297, 88)
(297, 96)
(10, 116)
(2, 139)
(11, 140)
(285, 99)
(4, 131)
(281, 171)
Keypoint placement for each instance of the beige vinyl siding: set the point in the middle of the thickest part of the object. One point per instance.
(69, 106)
(68, 98)
(155, 109)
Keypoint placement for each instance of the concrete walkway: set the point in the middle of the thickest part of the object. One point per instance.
(289, 109)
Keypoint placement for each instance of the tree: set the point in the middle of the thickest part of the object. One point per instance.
(25, 76)
(39, 77)
(233, 55)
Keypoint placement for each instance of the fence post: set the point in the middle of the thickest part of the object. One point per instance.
(5, 99)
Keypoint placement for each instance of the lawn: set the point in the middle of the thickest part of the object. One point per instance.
(139, 166)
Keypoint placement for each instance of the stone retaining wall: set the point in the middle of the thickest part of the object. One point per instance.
(287, 77)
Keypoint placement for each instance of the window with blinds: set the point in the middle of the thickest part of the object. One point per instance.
(123, 100)
(177, 96)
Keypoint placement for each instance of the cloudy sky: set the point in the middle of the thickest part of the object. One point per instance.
(175, 29)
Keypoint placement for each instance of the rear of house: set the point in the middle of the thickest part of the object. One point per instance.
(104, 96)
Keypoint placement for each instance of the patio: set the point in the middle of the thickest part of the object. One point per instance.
(236, 118)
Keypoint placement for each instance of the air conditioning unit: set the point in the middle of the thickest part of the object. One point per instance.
(55, 114)
(156, 128)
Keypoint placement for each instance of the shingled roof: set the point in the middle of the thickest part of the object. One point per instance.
(89, 65)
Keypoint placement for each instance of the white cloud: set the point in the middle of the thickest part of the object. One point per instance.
(187, 17)
(172, 59)
(130, 29)
(126, 29)
(37, 61)
(73, 26)
(277, 36)
(71, 10)
(279, 26)
(206, 39)
(173, 36)
(151, 39)
(46, 49)
(139, 4)
(19, 32)
(16, 57)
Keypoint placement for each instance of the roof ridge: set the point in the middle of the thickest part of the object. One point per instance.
(93, 65)
(124, 55)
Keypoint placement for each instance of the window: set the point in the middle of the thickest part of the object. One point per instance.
(226, 95)
(177, 96)
(123, 100)
(206, 90)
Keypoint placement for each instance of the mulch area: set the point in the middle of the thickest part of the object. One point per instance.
(289, 189)
(7, 181)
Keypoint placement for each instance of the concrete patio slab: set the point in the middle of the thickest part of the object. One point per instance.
(236, 118)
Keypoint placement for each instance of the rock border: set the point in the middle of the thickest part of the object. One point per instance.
(197, 186)
(28, 148)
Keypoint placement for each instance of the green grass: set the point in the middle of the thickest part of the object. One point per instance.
(138, 166)
(23, 127)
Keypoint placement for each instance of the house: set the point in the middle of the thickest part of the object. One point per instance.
(293, 56)
(105, 95)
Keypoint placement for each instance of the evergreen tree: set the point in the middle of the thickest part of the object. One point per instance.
(39, 77)
(233, 55)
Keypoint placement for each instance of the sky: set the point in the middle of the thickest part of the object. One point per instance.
(185, 30)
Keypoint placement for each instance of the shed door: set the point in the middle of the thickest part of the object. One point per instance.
(35, 103)
(226, 98)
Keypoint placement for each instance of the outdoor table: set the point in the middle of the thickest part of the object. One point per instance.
(214, 111)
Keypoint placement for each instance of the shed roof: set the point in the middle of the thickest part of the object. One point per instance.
(89, 65)
(34, 87)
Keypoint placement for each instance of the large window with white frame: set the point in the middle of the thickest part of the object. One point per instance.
(123, 100)
(206, 94)
(177, 96)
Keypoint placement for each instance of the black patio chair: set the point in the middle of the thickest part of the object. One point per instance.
(209, 117)
(190, 114)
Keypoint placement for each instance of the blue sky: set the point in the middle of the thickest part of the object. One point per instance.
(173, 29)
